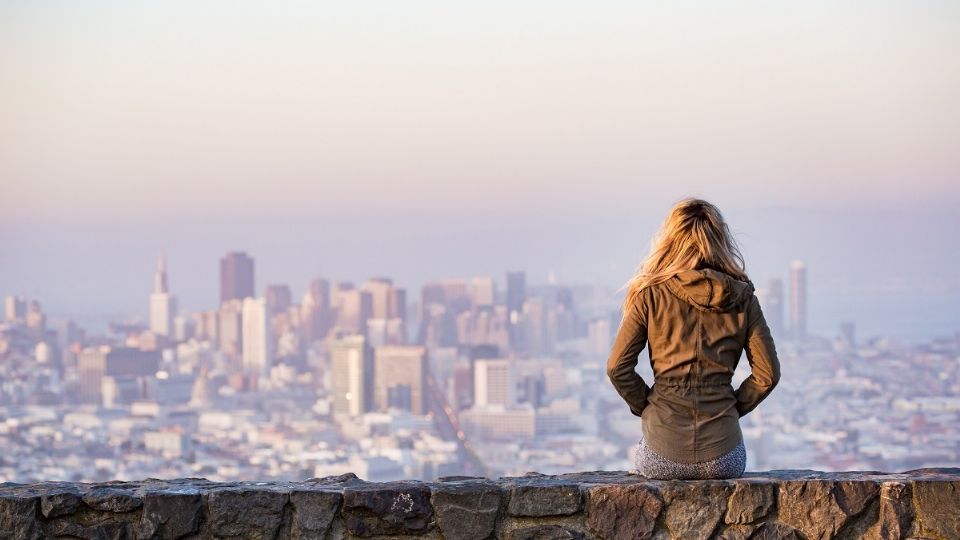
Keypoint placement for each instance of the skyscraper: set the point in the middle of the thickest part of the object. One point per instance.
(773, 310)
(15, 308)
(278, 298)
(492, 382)
(163, 306)
(352, 381)
(256, 337)
(355, 307)
(236, 276)
(798, 300)
(484, 291)
(399, 374)
(516, 295)
(379, 289)
(516, 292)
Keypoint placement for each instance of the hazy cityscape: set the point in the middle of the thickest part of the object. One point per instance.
(484, 375)
(274, 241)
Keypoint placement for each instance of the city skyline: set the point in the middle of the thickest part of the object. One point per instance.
(255, 242)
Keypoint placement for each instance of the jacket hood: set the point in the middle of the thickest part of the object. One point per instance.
(710, 290)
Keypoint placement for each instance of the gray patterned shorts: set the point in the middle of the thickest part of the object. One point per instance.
(655, 466)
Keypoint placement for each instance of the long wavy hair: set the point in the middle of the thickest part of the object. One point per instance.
(694, 236)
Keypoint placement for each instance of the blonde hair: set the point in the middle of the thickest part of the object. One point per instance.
(693, 236)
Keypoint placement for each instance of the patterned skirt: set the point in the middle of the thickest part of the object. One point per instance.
(652, 465)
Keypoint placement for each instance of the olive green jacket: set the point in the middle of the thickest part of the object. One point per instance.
(697, 324)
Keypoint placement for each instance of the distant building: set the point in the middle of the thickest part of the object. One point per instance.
(230, 331)
(316, 317)
(256, 351)
(492, 382)
(36, 319)
(599, 335)
(385, 332)
(351, 364)
(379, 291)
(163, 306)
(355, 307)
(798, 300)
(278, 298)
(236, 276)
(533, 324)
(848, 331)
(125, 366)
(772, 305)
(170, 443)
(400, 375)
(483, 291)
(516, 295)
(15, 308)
(498, 423)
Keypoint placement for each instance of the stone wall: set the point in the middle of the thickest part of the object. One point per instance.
(803, 504)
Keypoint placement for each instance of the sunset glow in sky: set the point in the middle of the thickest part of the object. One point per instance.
(116, 109)
(366, 138)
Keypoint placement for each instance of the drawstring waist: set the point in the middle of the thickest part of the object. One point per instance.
(691, 382)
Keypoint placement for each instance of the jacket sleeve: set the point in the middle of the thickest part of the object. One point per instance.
(631, 339)
(762, 356)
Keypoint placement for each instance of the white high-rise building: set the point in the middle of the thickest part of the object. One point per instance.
(598, 335)
(492, 382)
(163, 306)
(352, 378)
(255, 337)
(483, 291)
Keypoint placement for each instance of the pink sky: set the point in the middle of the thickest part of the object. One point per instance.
(110, 110)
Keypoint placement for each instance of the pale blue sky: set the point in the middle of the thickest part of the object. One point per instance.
(562, 129)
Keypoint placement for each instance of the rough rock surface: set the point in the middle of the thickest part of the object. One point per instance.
(783, 504)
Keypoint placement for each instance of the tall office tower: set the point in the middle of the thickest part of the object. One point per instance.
(533, 322)
(320, 291)
(121, 369)
(15, 308)
(773, 307)
(798, 300)
(516, 295)
(207, 326)
(484, 291)
(236, 276)
(352, 378)
(278, 298)
(256, 337)
(230, 329)
(456, 295)
(355, 308)
(599, 337)
(163, 306)
(315, 315)
(398, 304)
(36, 319)
(492, 382)
(379, 289)
(431, 293)
(397, 311)
(400, 378)
(336, 292)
